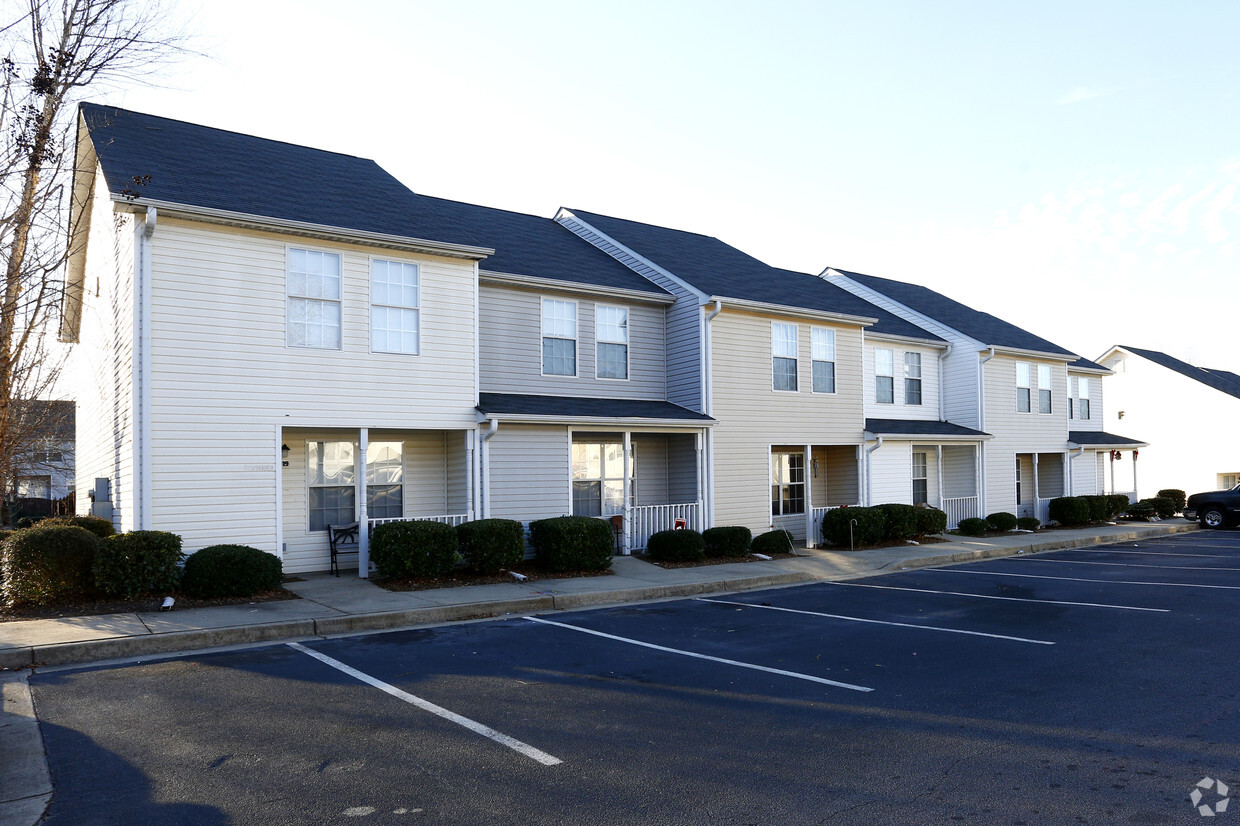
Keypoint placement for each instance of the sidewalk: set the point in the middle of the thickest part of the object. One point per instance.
(345, 605)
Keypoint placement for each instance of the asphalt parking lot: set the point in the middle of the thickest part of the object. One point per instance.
(1087, 686)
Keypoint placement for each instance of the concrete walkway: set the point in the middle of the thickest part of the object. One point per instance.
(344, 605)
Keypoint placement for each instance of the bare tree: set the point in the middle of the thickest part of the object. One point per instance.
(54, 51)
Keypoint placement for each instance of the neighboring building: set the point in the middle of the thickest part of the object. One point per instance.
(45, 469)
(1189, 414)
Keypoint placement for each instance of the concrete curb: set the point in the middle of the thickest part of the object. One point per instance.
(687, 589)
(24, 778)
(428, 616)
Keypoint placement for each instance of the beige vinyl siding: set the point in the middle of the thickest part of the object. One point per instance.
(928, 410)
(891, 474)
(100, 368)
(510, 347)
(529, 470)
(959, 471)
(1085, 474)
(932, 474)
(839, 476)
(752, 416)
(1096, 410)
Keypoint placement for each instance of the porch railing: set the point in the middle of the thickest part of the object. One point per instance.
(817, 515)
(452, 519)
(645, 520)
(1042, 509)
(958, 508)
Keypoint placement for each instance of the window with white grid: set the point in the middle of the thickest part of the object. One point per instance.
(822, 353)
(313, 310)
(559, 337)
(394, 314)
(884, 376)
(611, 342)
(784, 356)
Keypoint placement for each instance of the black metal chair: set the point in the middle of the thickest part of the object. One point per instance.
(343, 539)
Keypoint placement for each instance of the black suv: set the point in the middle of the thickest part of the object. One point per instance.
(1216, 508)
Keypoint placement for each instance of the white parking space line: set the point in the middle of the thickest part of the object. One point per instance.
(992, 596)
(878, 622)
(1082, 579)
(1148, 553)
(476, 727)
(698, 656)
(1127, 564)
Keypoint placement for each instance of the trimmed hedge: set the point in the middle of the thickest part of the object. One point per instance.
(97, 525)
(900, 521)
(772, 542)
(491, 545)
(727, 540)
(230, 571)
(573, 543)
(931, 521)
(1028, 523)
(972, 526)
(1163, 507)
(138, 563)
(676, 546)
(1002, 521)
(1099, 508)
(1175, 495)
(869, 530)
(1070, 510)
(413, 548)
(41, 565)
(1117, 504)
(1142, 509)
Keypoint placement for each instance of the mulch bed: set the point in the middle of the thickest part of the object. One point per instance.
(458, 578)
(97, 607)
(711, 560)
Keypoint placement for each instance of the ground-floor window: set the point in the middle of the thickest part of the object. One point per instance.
(921, 488)
(385, 469)
(34, 487)
(598, 478)
(787, 483)
(1227, 481)
(331, 478)
(1018, 499)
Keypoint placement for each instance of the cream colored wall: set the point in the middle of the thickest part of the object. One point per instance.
(928, 410)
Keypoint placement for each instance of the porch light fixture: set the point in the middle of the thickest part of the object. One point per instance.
(284, 454)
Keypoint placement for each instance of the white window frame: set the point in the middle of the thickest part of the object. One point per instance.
(882, 354)
(290, 297)
(603, 442)
(599, 340)
(778, 351)
(1024, 382)
(779, 483)
(925, 474)
(415, 308)
(372, 465)
(908, 378)
(311, 485)
(1045, 376)
(1082, 395)
(822, 351)
(542, 322)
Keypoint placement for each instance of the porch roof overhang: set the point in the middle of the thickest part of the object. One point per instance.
(521, 407)
(914, 430)
(1101, 440)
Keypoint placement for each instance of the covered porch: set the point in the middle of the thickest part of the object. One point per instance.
(809, 480)
(1040, 477)
(1097, 463)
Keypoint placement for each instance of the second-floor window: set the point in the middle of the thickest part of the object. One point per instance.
(313, 310)
(393, 307)
(884, 376)
(1023, 388)
(1044, 388)
(559, 337)
(912, 378)
(612, 342)
(1082, 395)
(823, 356)
(784, 355)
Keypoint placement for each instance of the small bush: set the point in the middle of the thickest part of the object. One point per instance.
(1069, 510)
(1163, 507)
(41, 565)
(772, 542)
(1099, 508)
(1117, 503)
(415, 548)
(139, 562)
(97, 525)
(972, 526)
(491, 545)
(1028, 523)
(869, 530)
(676, 546)
(1002, 521)
(931, 521)
(727, 540)
(230, 571)
(1177, 496)
(1142, 509)
(900, 521)
(573, 543)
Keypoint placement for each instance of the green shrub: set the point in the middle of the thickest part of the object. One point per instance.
(1177, 496)
(1143, 509)
(1117, 503)
(230, 571)
(1002, 521)
(139, 562)
(41, 565)
(676, 546)
(1099, 508)
(491, 545)
(1028, 523)
(573, 543)
(869, 530)
(413, 548)
(900, 521)
(97, 525)
(1070, 510)
(931, 521)
(973, 526)
(1163, 507)
(727, 540)
(772, 542)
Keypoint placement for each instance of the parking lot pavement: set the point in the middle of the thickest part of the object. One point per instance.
(1070, 687)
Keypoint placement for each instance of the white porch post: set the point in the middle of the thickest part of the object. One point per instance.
(1111, 457)
(701, 482)
(628, 512)
(809, 496)
(1067, 474)
(1037, 487)
(363, 523)
(279, 465)
(1134, 475)
(938, 465)
(469, 474)
(978, 480)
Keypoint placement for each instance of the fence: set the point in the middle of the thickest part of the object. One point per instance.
(958, 508)
(645, 520)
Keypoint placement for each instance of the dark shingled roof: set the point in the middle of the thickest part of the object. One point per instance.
(1086, 364)
(915, 427)
(718, 269)
(518, 404)
(203, 167)
(991, 331)
(1098, 438)
(1216, 379)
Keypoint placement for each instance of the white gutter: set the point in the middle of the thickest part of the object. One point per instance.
(708, 405)
(942, 382)
(1072, 456)
(798, 312)
(143, 359)
(981, 425)
(578, 288)
(869, 476)
(485, 458)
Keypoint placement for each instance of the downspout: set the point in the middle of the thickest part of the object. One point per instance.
(869, 476)
(708, 406)
(981, 425)
(143, 521)
(484, 455)
(942, 384)
(1072, 456)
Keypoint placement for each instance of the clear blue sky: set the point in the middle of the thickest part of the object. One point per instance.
(1071, 167)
